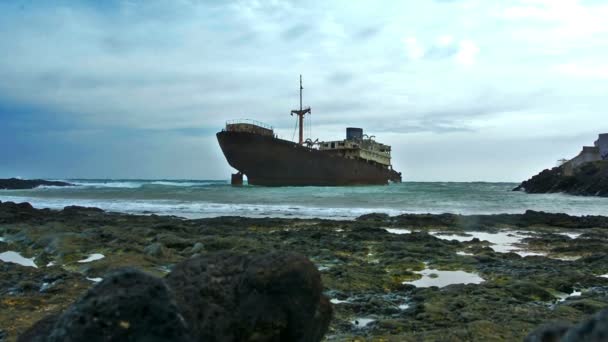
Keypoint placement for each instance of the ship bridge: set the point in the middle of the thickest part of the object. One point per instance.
(357, 146)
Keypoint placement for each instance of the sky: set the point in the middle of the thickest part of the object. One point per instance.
(463, 90)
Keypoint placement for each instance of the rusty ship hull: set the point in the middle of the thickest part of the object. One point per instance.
(269, 161)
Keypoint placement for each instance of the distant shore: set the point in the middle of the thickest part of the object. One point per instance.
(20, 184)
(525, 269)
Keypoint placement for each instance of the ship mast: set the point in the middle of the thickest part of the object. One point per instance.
(300, 113)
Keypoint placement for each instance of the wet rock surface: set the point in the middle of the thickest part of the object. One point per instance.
(20, 184)
(231, 297)
(590, 179)
(365, 269)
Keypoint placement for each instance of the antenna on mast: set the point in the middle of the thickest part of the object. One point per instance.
(300, 113)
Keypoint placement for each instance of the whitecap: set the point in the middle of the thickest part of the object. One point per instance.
(108, 184)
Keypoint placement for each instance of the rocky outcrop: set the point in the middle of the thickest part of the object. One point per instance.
(20, 184)
(590, 179)
(219, 297)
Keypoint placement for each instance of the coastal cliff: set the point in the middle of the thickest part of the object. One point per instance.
(589, 179)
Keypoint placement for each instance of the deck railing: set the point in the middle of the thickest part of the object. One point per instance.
(249, 121)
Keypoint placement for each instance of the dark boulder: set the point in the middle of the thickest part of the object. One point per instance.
(375, 217)
(20, 184)
(40, 331)
(128, 305)
(548, 333)
(14, 212)
(78, 210)
(594, 329)
(231, 297)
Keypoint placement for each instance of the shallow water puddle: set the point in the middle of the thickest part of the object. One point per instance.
(17, 258)
(566, 258)
(502, 242)
(337, 301)
(398, 231)
(362, 322)
(570, 234)
(432, 277)
(92, 257)
(563, 296)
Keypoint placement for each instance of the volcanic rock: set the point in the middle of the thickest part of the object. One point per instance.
(128, 305)
(590, 179)
(231, 297)
(19, 184)
(594, 329)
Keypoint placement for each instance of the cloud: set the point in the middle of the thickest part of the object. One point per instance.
(467, 52)
(583, 70)
(413, 49)
(154, 74)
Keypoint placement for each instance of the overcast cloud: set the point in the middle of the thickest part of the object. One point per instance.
(464, 90)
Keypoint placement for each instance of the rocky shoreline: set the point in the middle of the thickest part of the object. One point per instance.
(590, 179)
(498, 277)
(23, 184)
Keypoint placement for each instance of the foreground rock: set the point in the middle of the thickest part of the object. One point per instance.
(20, 184)
(223, 297)
(590, 179)
(128, 305)
(229, 297)
(594, 329)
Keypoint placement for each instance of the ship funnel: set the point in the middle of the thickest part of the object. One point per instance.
(353, 133)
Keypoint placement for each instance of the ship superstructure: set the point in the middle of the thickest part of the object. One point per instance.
(254, 150)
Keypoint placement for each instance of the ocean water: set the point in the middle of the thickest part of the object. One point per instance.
(212, 198)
